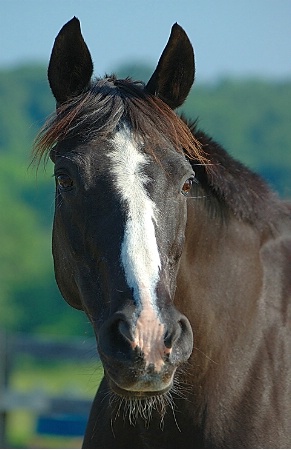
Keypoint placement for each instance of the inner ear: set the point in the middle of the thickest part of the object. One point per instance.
(70, 67)
(174, 74)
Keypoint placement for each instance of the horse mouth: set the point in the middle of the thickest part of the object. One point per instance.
(138, 393)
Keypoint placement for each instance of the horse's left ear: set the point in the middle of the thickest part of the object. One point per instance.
(70, 67)
(174, 75)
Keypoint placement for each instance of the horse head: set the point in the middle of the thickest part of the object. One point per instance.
(122, 182)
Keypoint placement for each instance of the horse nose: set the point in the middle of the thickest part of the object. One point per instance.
(121, 338)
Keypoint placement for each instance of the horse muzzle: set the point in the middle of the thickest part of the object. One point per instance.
(139, 357)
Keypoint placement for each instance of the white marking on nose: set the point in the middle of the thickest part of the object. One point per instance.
(139, 251)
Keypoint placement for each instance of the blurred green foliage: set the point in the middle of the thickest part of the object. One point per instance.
(251, 118)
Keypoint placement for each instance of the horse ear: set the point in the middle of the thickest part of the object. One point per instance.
(174, 74)
(70, 67)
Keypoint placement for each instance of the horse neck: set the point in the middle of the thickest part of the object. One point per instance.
(219, 281)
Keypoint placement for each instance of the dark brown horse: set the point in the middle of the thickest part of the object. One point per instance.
(179, 255)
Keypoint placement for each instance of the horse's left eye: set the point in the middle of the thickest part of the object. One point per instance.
(186, 188)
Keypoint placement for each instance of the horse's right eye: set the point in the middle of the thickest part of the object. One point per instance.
(64, 181)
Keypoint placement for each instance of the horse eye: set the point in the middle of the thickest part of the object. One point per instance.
(64, 181)
(186, 188)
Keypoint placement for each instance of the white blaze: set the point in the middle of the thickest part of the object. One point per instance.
(139, 251)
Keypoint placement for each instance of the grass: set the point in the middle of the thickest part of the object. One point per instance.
(68, 378)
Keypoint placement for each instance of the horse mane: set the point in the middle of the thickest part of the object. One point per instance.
(232, 183)
(106, 103)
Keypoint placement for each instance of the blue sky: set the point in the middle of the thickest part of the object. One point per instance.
(230, 37)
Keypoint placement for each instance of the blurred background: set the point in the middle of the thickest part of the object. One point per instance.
(241, 96)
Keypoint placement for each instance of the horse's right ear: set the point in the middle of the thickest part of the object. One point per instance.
(174, 74)
(70, 67)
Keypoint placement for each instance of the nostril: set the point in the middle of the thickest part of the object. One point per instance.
(179, 331)
(125, 330)
(183, 324)
(171, 336)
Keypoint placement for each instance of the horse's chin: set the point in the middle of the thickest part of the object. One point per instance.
(139, 405)
(138, 392)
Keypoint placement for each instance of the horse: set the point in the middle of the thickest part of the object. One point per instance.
(179, 255)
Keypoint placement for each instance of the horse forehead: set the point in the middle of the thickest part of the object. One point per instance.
(158, 162)
(130, 170)
(123, 151)
(126, 153)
